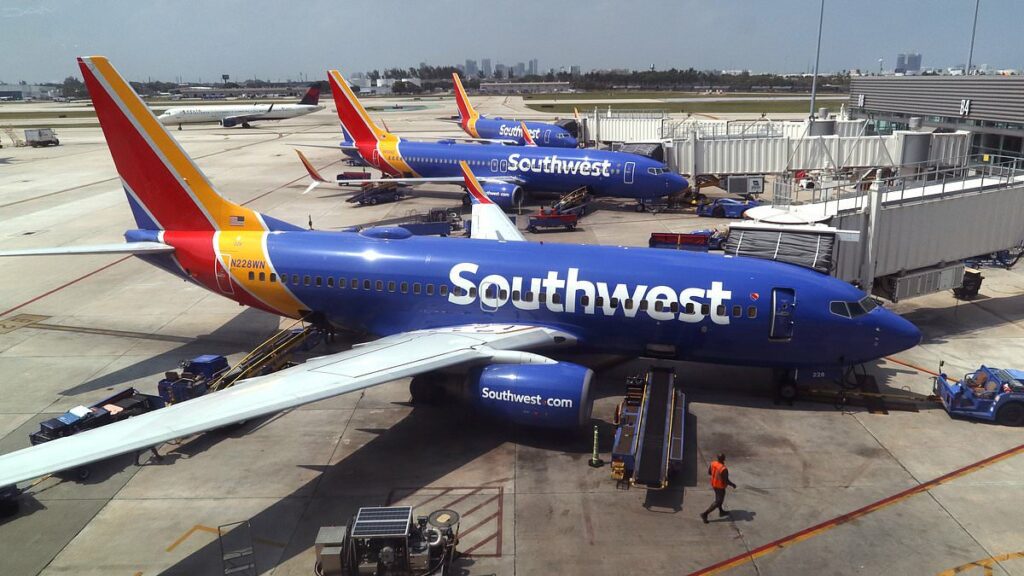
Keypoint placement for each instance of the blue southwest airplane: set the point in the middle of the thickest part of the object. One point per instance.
(490, 304)
(477, 126)
(507, 173)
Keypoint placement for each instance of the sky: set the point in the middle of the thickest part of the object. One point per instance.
(282, 39)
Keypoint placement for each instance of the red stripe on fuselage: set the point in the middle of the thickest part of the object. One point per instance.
(140, 167)
(194, 252)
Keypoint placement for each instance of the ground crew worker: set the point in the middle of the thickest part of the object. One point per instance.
(719, 480)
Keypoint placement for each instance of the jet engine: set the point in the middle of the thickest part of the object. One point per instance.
(507, 196)
(547, 395)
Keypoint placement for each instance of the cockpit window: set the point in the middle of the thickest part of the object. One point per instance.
(853, 309)
(839, 309)
(656, 171)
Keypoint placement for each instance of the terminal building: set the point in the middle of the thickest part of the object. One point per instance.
(991, 108)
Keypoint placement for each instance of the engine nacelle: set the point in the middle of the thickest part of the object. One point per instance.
(507, 196)
(229, 122)
(548, 395)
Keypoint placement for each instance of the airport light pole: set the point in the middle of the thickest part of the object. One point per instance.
(817, 57)
(974, 30)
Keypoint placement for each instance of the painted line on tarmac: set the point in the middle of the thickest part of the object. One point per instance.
(985, 564)
(808, 533)
(63, 286)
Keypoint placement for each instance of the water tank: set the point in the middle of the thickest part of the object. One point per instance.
(822, 128)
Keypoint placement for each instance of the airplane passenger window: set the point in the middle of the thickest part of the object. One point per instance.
(542, 297)
(442, 290)
(556, 298)
(752, 312)
(737, 311)
(319, 281)
(273, 277)
(690, 308)
(252, 275)
(263, 276)
(354, 284)
(295, 279)
(585, 300)
(430, 289)
(405, 287)
(503, 294)
(391, 286)
(306, 280)
(599, 302)
(515, 295)
(415, 287)
(720, 310)
(674, 308)
(705, 309)
(613, 302)
(659, 306)
(629, 304)
(643, 305)
(472, 291)
(330, 282)
(528, 297)
(379, 284)
(491, 291)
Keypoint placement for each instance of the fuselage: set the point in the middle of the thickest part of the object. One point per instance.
(605, 173)
(200, 114)
(543, 133)
(618, 300)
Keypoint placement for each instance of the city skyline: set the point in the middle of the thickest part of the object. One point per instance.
(47, 35)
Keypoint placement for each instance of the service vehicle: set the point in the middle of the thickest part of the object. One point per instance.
(39, 137)
(726, 207)
(988, 393)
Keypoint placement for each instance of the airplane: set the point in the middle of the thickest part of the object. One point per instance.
(235, 114)
(493, 304)
(507, 173)
(477, 126)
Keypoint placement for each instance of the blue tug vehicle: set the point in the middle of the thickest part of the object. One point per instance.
(988, 393)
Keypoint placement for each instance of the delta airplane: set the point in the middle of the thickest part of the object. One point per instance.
(477, 126)
(243, 114)
(507, 173)
(489, 304)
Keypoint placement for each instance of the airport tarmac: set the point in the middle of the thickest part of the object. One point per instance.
(925, 493)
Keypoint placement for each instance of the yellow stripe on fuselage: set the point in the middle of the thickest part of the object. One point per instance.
(219, 209)
(247, 254)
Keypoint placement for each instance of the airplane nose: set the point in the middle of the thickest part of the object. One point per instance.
(898, 334)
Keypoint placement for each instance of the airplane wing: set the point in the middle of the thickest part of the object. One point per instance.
(365, 365)
(505, 141)
(489, 220)
(122, 248)
(230, 121)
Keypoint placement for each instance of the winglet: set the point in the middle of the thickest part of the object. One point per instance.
(476, 192)
(527, 138)
(314, 175)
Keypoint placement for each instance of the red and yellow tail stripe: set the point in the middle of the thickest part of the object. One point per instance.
(467, 113)
(154, 168)
(473, 185)
(378, 147)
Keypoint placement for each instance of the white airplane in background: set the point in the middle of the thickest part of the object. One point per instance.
(235, 114)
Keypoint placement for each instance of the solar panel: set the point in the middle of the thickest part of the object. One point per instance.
(393, 521)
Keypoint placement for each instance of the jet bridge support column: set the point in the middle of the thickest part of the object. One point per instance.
(867, 264)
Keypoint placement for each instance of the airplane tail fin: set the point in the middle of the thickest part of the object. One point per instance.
(527, 137)
(354, 120)
(314, 174)
(312, 96)
(165, 189)
(489, 220)
(466, 112)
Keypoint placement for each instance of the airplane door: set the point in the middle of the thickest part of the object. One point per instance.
(223, 276)
(490, 297)
(504, 166)
(494, 164)
(783, 302)
(547, 136)
(375, 158)
(627, 174)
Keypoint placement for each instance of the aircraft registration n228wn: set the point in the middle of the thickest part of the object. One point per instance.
(490, 304)
(479, 126)
(506, 173)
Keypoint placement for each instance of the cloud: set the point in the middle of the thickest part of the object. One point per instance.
(12, 12)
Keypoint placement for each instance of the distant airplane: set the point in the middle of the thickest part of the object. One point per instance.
(235, 114)
(507, 173)
(477, 126)
(483, 304)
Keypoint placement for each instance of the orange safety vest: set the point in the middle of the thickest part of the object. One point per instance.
(717, 481)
